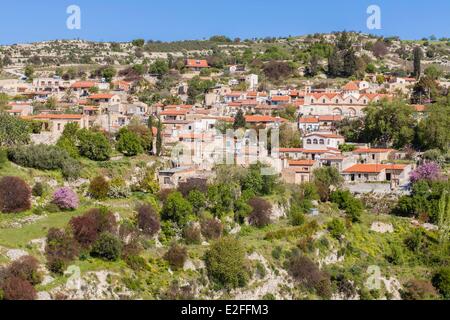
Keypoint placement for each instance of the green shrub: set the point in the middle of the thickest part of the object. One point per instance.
(296, 216)
(99, 188)
(346, 201)
(417, 289)
(226, 263)
(211, 228)
(129, 143)
(107, 247)
(26, 268)
(308, 274)
(3, 157)
(192, 234)
(177, 209)
(60, 250)
(137, 263)
(38, 189)
(441, 281)
(176, 256)
(93, 145)
(118, 189)
(44, 157)
(336, 228)
(15, 195)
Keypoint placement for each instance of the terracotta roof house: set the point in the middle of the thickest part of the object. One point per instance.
(196, 65)
(395, 173)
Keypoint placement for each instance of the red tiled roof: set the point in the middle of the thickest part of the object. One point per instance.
(193, 63)
(372, 150)
(99, 96)
(301, 162)
(83, 84)
(58, 116)
(281, 98)
(309, 120)
(330, 118)
(373, 168)
(258, 118)
(181, 106)
(174, 112)
(351, 86)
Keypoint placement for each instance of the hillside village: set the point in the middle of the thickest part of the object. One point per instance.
(143, 164)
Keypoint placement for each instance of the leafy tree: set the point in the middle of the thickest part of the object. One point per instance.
(289, 137)
(13, 131)
(239, 120)
(108, 73)
(418, 55)
(390, 123)
(129, 143)
(432, 132)
(343, 61)
(197, 200)
(159, 68)
(226, 263)
(197, 88)
(159, 140)
(176, 209)
(29, 71)
(425, 90)
(93, 145)
(138, 42)
(261, 211)
(324, 178)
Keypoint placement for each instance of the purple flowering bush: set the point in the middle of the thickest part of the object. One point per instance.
(430, 171)
(65, 199)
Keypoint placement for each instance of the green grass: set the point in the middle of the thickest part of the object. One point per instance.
(19, 238)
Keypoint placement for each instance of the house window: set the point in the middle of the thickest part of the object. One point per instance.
(373, 157)
(315, 141)
(337, 101)
(351, 100)
(166, 180)
(59, 126)
(323, 101)
(322, 141)
(312, 100)
(308, 141)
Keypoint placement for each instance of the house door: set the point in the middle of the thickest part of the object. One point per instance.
(388, 176)
(352, 177)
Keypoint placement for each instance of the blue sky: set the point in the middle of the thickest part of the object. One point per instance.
(117, 20)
